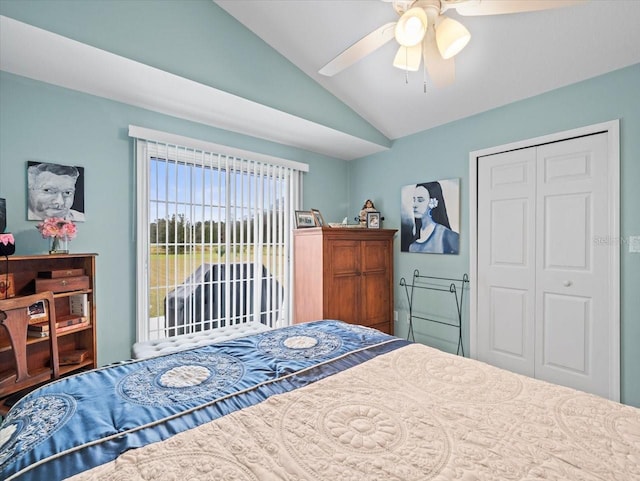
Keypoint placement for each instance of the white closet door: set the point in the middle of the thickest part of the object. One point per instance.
(572, 271)
(543, 283)
(506, 260)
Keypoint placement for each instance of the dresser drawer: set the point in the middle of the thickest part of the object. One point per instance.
(62, 284)
(61, 273)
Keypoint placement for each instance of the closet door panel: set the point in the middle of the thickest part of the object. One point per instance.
(573, 338)
(566, 231)
(567, 333)
(508, 337)
(506, 260)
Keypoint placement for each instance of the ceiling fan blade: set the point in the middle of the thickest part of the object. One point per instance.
(497, 7)
(442, 72)
(360, 49)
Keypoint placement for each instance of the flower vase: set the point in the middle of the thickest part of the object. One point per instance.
(59, 245)
(7, 244)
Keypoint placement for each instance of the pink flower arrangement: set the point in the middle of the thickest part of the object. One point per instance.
(57, 227)
(7, 239)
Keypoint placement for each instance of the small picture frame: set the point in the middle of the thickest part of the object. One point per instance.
(7, 288)
(37, 312)
(304, 219)
(373, 220)
(318, 218)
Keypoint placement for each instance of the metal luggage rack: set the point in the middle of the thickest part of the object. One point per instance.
(431, 283)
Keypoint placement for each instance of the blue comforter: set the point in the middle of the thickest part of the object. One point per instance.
(80, 422)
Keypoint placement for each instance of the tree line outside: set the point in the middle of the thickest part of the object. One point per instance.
(178, 235)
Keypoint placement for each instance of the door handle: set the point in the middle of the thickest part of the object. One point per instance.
(567, 283)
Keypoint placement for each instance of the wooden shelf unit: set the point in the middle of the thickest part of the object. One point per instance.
(344, 274)
(25, 270)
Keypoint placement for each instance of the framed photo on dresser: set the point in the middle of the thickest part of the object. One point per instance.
(373, 220)
(304, 219)
(319, 220)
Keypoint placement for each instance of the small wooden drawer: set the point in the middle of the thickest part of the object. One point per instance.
(61, 273)
(62, 284)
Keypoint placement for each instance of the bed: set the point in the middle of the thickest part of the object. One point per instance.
(318, 401)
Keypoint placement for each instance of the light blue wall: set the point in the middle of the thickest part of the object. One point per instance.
(443, 152)
(197, 40)
(45, 123)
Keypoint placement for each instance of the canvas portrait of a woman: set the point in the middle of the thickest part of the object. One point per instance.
(428, 226)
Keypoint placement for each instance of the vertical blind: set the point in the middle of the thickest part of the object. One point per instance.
(214, 236)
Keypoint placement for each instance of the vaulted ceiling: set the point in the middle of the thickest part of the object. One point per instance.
(509, 58)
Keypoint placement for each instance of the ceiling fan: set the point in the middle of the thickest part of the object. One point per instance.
(425, 34)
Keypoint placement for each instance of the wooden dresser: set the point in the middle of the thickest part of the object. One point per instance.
(71, 278)
(344, 274)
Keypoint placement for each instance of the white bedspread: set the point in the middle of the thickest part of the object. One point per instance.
(413, 414)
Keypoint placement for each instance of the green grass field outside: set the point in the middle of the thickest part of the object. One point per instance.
(169, 270)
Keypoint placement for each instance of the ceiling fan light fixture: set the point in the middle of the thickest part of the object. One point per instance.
(451, 37)
(411, 27)
(408, 58)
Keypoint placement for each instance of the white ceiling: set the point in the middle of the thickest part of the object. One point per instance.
(510, 57)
